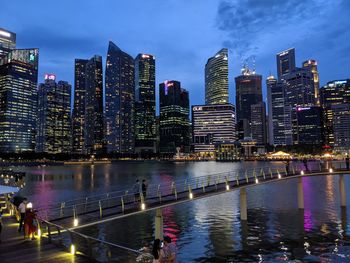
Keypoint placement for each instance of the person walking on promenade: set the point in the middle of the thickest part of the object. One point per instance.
(136, 190)
(287, 166)
(157, 252)
(22, 211)
(170, 251)
(144, 188)
(347, 161)
(305, 164)
(30, 224)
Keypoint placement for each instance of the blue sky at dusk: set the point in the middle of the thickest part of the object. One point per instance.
(182, 34)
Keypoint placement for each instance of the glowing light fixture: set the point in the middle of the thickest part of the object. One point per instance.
(143, 206)
(256, 180)
(331, 170)
(279, 176)
(191, 195)
(75, 222)
(72, 249)
(302, 172)
(39, 233)
(29, 205)
(227, 187)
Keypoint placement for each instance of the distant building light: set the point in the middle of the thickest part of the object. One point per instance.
(5, 34)
(145, 56)
(50, 76)
(197, 108)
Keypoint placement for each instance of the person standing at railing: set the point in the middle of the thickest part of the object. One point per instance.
(144, 188)
(22, 211)
(30, 224)
(157, 252)
(136, 190)
(170, 251)
(347, 161)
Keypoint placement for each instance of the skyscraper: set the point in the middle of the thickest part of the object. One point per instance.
(212, 125)
(258, 123)
(145, 103)
(216, 78)
(312, 66)
(285, 62)
(310, 126)
(280, 126)
(174, 127)
(248, 92)
(120, 90)
(7, 42)
(93, 122)
(341, 122)
(53, 118)
(18, 100)
(333, 93)
(78, 115)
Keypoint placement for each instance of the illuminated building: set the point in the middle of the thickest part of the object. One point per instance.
(93, 122)
(280, 126)
(310, 126)
(120, 90)
(333, 93)
(285, 62)
(258, 123)
(7, 42)
(79, 106)
(174, 125)
(248, 92)
(53, 132)
(216, 78)
(312, 66)
(18, 100)
(213, 125)
(341, 126)
(145, 104)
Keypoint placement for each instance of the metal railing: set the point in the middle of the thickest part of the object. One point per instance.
(126, 201)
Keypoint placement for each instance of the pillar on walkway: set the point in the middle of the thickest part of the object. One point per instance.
(158, 224)
(342, 190)
(243, 203)
(300, 193)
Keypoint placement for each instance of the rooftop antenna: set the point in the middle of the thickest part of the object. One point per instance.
(253, 62)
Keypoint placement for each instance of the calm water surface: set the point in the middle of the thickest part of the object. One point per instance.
(210, 230)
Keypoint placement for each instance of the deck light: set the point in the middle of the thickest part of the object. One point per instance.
(227, 187)
(29, 205)
(143, 206)
(256, 180)
(302, 172)
(331, 170)
(72, 249)
(191, 195)
(279, 176)
(75, 222)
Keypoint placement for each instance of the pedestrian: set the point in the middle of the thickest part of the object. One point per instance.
(170, 251)
(157, 252)
(22, 211)
(136, 190)
(287, 166)
(144, 188)
(305, 164)
(30, 224)
(347, 161)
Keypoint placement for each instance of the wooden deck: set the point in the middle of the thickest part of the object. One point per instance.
(15, 249)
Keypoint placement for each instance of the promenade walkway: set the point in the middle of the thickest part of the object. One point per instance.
(15, 249)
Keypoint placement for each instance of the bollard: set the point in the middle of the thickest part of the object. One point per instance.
(246, 176)
(122, 202)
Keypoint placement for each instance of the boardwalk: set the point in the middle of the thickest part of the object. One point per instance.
(14, 248)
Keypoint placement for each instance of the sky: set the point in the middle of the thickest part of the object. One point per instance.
(183, 34)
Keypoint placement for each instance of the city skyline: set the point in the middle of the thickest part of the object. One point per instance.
(202, 33)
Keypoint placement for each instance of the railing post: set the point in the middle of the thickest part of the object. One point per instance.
(122, 202)
(185, 186)
(197, 182)
(243, 203)
(61, 209)
(49, 232)
(159, 194)
(175, 192)
(208, 180)
(342, 191)
(300, 193)
(158, 224)
(246, 176)
(216, 183)
(203, 186)
(293, 169)
(237, 181)
(100, 207)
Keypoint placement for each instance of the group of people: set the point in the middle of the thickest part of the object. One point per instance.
(162, 251)
(28, 220)
(139, 188)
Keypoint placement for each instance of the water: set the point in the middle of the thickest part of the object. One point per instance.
(210, 230)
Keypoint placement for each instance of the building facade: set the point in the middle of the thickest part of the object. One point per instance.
(53, 132)
(18, 100)
(78, 115)
(248, 93)
(93, 117)
(258, 123)
(212, 125)
(311, 65)
(7, 43)
(145, 103)
(285, 63)
(333, 93)
(174, 125)
(310, 126)
(216, 79)
(341, 127)
(120, 100)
